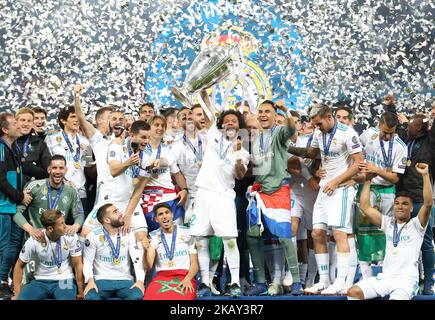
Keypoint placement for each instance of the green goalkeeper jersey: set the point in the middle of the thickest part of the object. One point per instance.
(69, 204)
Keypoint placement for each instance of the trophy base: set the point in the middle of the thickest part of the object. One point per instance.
(181, 97)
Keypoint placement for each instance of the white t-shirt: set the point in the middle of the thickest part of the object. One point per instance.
(44, 257)
(218, 174)
(100, 147)
(122, 186)
(187, 161)
(98, 257)
(149, 156)
(57, 145)
(338, 160)
(372, 152)
(405, 262)
(184, 245)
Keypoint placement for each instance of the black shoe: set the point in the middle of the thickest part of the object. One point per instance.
(5, 291)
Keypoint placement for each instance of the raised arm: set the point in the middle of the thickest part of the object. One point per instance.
(87, 128)
(424, 212)
(365, 207)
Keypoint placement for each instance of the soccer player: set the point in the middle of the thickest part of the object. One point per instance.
(270, 164)
(341, 153)
(108, 256)
(173, 252)
(224, 160)
(55, 258)
(39, 121)
(146, 111)
(385, 155)
(76, 150)
(399, 277)
(51, 193)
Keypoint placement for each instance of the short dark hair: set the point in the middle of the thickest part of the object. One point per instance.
(161, 205)
(182, 109)
(57, 157)
(347, 109)
(389, 119)
(146, 104)
(4, 123)
(139, 125)
(220, 120)
(102, 211)
(169, 112)
(403, 193)
(39, 110)
(269, 102)
(49, 217)
(102, 110)
(196, 106)
(64, 114)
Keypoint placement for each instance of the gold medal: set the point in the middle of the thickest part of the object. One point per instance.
(170, 263)
(116, 261)
(65, 247)
(18, 170)
(102, 238)
(199, 164)
(155, 175)
(395, 250)
(59, 270)
(408, 163)
(58, 139)
(77, 165)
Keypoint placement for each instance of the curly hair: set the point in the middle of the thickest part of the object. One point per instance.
(220, 120)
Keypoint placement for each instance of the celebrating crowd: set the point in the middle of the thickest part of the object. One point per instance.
(186, 203)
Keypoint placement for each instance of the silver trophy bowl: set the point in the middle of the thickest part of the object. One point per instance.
(211, 66)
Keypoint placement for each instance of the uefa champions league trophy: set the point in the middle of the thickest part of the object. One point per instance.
(211, 66)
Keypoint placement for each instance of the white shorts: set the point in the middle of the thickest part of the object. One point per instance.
(138, 222)
(335, 211)
(302, 208)
(213, 214)
(398, 287)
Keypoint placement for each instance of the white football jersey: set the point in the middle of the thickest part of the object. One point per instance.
(338, 160)
(402, 261)
(57, 145)
(44, 257)
(184, 246)
(98, 257)
(373, 153)
(218, 172)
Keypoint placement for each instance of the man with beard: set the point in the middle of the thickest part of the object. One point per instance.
(51, 193)
(224, 161)
(199, 118)
(108, 256)
(55, 259)
(31, 149)
(173, 252)
(76, 150)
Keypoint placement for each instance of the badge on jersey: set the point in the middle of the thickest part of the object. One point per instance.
(354, 139)
(23, 250)
(87, 243)
(374, 136)
(58, 139)
(112, 154)
(102, 238)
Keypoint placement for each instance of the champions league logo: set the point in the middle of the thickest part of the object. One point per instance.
(272, 67)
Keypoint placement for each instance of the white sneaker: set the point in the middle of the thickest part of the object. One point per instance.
(316, 288)
(333, 290)
(288, 279)
(214, 291)
(275, 289)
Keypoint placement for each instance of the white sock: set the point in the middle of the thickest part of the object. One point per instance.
(342, 268)
(312, 268)
(332, 260)
(322, 260)
(303, 267)
(233, 259)
(203, 259)
(212, 270)
(366, 269)
(353, 262)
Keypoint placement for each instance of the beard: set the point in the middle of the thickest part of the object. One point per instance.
(117, 223)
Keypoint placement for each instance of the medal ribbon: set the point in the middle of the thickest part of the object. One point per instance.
(58, 258)
(76, 157)
(263, 149)
(326, 146)
(410, 147)
(116, 250)
(221, 146)
(396, 235)
(388, 161)
(169, 254)
(198, 154)
(25, 146)
(310, 139)
(51, 204)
